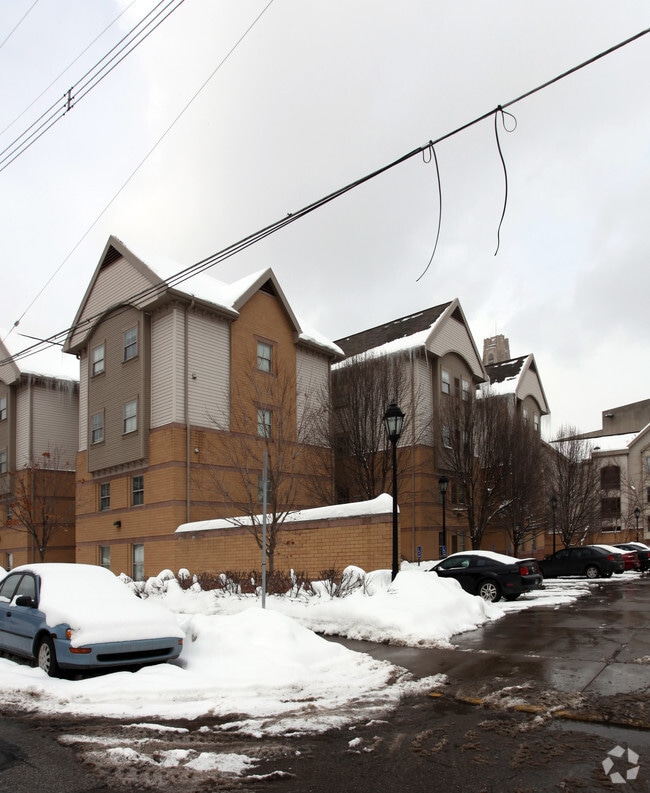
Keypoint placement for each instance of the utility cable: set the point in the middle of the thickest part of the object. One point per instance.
(90, 80)
(261, 234)
(146, 157)
(17, 25)
(67, 68)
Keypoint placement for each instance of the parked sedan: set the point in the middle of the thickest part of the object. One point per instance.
(642, 550)
(491, 575)
(584, 560)
(630, 558)
(81, 617)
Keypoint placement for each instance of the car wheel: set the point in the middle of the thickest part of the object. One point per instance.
(46, 657)
(489, 590)
(592, 571)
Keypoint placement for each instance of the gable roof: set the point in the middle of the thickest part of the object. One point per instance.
(510, 377)
(155, 278)
(427, 329)
(48, 362)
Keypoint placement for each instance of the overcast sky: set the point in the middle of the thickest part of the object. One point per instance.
(315, 96)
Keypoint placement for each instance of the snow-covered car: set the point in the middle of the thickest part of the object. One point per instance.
(642, 551)
(491, 575)
(82, 617)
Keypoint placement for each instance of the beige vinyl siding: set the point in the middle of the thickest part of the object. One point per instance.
(423, 387)
(454, 337)
(23, 428)
(167, 370)
(529, 386)
(115, 284)
(209, 371)
(83, 402)
(312, 382)
(55, 422)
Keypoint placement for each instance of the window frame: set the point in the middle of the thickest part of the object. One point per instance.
(99, 428)
(264, 423)
(105, 556)
(3, 408)
(130, 344)
(137, 561)
(137, 493)
(104, 497)
(96, 361)
(3, 461)
(264, 362)
(130, 417)
(445, 381)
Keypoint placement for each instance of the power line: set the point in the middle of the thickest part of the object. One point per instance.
(146, 157)
(90, 80)
(17, 25)
(216, 258)
(67, 68)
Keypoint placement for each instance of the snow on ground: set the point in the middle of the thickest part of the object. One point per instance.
(266, 671)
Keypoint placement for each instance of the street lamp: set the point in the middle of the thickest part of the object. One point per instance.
(637, 512)
(394, 420)
(554, 508)
(443, 483)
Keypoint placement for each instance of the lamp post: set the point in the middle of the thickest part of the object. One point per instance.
(394, 420)
(637, 512)
(554, 508)
(443, 483)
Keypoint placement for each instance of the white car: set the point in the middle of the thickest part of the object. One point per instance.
(82, 617)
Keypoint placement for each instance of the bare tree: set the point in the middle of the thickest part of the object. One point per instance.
(270, 431)
(574, 479)
(363, 388)
(41, 501)
(475, 450)
(525, 514)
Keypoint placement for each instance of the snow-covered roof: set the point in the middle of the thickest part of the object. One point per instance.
(610, 443)
(377, 506)
(50, 361)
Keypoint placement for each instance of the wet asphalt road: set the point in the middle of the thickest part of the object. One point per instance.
(589, 661)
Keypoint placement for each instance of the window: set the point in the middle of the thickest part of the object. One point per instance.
(610, 508)
(97, 428)
(131, 416)
(137, 491)
(9, 560)
(263, 423)
(446, 436)
(525, 414)
(104, 496)
(3, 408)
(536, 422)
(260, 489)
(264, 357)
(464, 384)
(610, 477)
(98, 360)
(647, 495)
(130, 343)
(137, 572)
(105, 556)
(445, 378)
(3, 461)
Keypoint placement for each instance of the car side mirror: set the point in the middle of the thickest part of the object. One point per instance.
(26, 600)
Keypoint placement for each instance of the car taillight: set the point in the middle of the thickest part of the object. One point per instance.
(523, 570)
(610, 558)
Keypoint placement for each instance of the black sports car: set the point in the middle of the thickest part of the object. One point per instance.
(491, 575)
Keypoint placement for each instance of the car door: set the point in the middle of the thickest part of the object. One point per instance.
(26, 619)
(457, 567)
(557, 564)
(8, 587)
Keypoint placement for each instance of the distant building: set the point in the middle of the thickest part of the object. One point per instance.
(39, 415)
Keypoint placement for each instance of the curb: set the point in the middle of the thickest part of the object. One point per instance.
(562, 713)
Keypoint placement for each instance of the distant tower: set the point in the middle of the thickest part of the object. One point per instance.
(496, 349)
